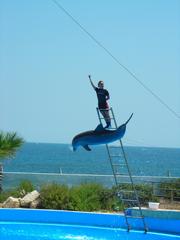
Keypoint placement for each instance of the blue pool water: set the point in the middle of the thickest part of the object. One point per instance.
(24, 224)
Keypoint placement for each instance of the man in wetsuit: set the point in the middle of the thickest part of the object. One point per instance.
(103, 96)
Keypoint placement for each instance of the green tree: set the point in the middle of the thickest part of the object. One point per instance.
(9, 144)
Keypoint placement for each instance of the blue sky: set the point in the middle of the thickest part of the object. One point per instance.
(45, 59)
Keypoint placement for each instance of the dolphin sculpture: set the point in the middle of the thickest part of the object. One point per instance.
(99, 136)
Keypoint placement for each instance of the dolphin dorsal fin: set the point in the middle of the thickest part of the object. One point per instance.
(99, 128)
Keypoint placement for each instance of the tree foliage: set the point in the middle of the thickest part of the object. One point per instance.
(9, 144)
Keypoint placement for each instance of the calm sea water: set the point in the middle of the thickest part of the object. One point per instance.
(56, 158)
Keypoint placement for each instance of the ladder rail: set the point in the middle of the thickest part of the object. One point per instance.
(129, 173)
(113, 170)
(132, 183)
(115, 178)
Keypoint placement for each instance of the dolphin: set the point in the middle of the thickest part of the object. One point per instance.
(98, 136)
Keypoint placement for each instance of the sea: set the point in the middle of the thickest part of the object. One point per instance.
(43, 163)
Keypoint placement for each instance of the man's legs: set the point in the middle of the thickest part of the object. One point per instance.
(105, 113)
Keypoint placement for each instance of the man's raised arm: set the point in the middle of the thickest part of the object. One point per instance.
(92, 84)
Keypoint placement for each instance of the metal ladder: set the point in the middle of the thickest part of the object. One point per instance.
(120, 167)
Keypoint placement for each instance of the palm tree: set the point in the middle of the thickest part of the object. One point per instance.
(9, 144)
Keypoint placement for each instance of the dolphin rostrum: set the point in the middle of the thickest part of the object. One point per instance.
(98, 136)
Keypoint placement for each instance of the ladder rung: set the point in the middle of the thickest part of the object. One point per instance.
(110, 109)
(119, 164)
(121, 174)
(116, 155)
(112, 146)
(104, 118)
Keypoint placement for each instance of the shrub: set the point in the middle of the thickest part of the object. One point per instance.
(110, 200)
(25, 187)
(55, 196)
(5, 194)
(86, 197)
(144, 192)
(171, 189)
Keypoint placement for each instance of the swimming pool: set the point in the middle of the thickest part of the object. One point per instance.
(26, 224)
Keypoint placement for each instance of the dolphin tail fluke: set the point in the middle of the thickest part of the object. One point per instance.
(129, 119)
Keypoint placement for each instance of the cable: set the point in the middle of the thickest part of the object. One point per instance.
(116, 60)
